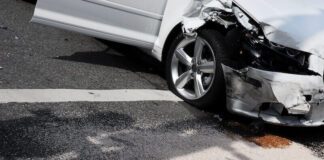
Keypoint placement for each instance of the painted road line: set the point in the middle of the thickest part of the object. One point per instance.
(75, 95)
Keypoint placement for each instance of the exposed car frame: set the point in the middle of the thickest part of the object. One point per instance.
(272, 69)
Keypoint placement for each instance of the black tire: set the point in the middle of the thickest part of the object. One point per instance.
(215, 98)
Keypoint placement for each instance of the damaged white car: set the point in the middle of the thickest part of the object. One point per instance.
(266, 56)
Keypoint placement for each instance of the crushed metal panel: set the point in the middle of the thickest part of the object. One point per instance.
(243, 18)
(296, 24)
(208, 11)
(281, 90)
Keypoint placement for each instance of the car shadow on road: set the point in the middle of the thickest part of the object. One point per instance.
(119, 56)
(30, 1)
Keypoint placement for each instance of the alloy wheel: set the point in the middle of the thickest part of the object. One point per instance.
(193, 68)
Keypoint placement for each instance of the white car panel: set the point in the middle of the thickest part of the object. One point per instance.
(131, 24)
(173, 15)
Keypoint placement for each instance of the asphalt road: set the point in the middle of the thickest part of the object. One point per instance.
(33, 56)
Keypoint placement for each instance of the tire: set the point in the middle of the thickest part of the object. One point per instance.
(200, 83)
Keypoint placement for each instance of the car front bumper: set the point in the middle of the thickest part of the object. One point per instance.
(278, 98)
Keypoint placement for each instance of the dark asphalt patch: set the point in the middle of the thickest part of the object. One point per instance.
(147, 130)
(44, 134)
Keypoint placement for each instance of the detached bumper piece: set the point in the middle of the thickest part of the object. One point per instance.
(279, 98)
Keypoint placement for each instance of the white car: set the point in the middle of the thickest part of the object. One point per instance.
(265, 57)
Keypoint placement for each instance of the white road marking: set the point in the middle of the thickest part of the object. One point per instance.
(94, 140)
(111, 149)
(65, 156)
(76, 95)
(188, 133)
(97, 140)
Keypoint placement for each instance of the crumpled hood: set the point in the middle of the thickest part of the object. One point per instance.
(297, 24)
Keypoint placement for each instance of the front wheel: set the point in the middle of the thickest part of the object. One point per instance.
(194, 70)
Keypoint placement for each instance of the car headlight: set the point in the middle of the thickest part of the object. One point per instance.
(273, 57)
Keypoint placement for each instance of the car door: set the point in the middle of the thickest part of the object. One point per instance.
(135, 22)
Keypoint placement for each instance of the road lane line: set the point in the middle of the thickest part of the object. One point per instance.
(78, 95)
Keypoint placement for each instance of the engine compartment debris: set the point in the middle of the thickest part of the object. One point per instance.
(274, 82)
(247, 40)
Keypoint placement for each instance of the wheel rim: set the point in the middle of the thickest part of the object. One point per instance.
(193, 68)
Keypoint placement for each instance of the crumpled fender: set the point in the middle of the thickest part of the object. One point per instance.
(206, 12)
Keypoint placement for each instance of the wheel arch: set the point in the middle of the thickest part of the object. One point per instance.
(177, 29)
(173, 34)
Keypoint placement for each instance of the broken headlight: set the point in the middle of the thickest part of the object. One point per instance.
(248, 46)
(266, 55)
